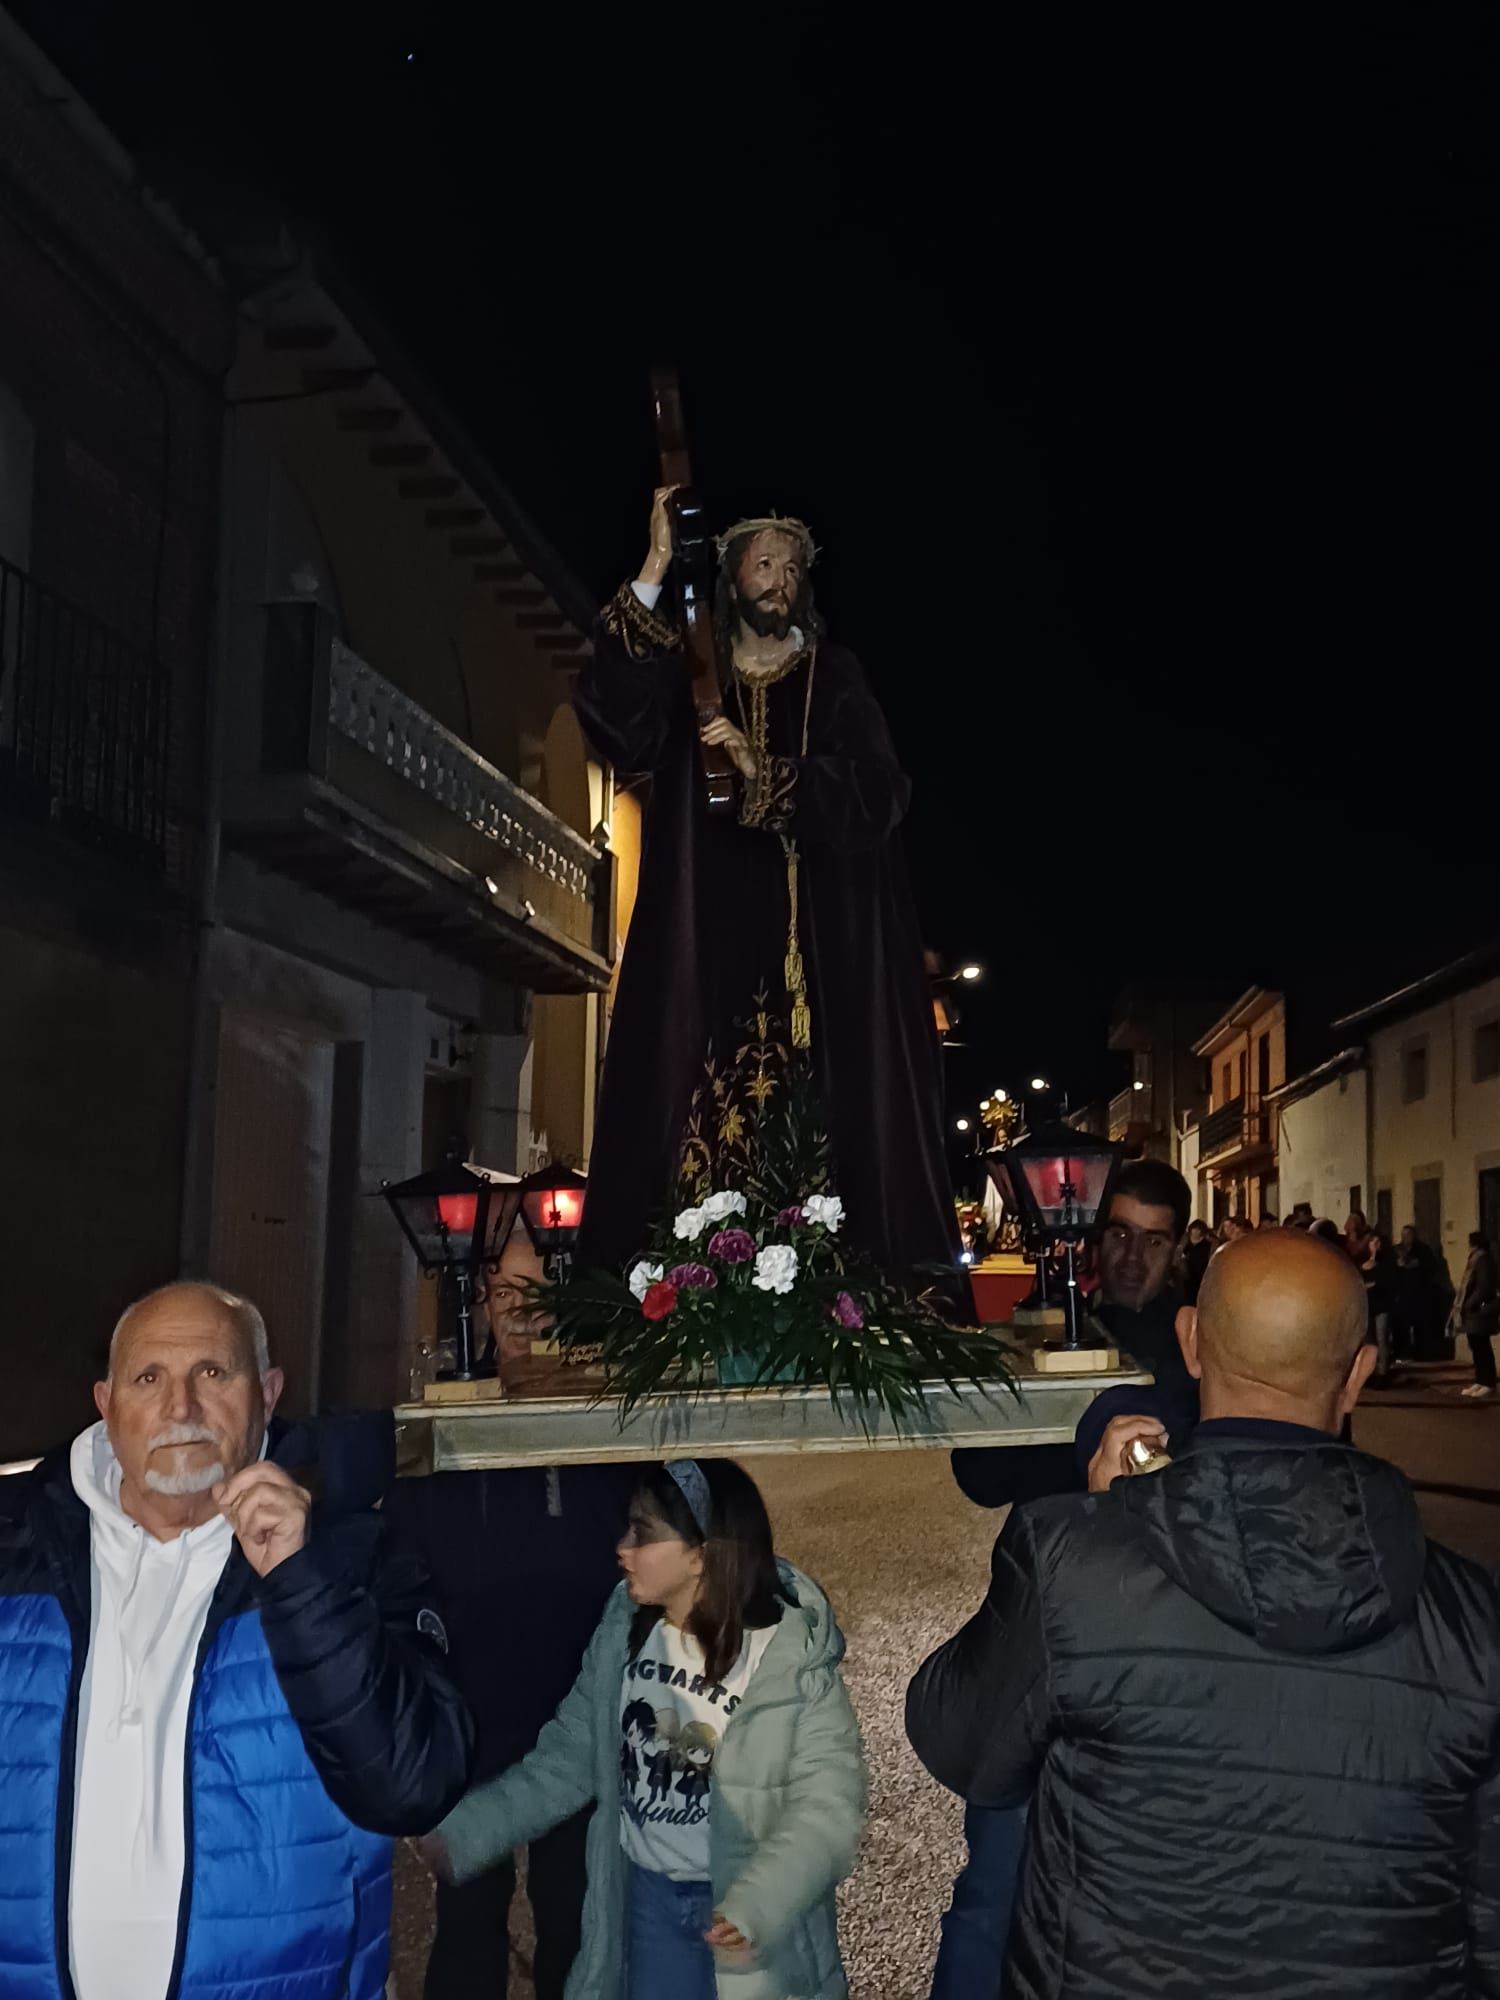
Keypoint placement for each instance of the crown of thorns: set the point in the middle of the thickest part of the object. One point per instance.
(784, 524)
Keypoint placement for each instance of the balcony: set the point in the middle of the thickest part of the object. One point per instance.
(1131, 1115)
(359, 792)
(84, 719)
(1235, 1131)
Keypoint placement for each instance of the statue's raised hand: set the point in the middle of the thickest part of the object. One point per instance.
(655, 566)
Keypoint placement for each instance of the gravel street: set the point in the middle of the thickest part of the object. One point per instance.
(905, 1559)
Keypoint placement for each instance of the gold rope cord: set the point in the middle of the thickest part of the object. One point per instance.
(757, 805)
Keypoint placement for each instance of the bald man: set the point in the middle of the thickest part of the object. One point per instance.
(1256, 1713)
(217, 1705)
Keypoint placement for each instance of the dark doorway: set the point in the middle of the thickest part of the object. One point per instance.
(1427, 1212)
(1489, 1204)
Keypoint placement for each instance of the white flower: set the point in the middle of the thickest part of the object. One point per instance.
(825, 1208)
(775, 1268)
(643, 1277)
(690, 1225)
(719, 1206)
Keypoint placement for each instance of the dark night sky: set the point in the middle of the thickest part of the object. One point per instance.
(1172, 558)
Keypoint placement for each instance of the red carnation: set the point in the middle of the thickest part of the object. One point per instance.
(660, 1299)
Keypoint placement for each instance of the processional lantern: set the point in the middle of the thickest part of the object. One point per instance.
(1059, 1182)
(458, 1220)
(552, 1208)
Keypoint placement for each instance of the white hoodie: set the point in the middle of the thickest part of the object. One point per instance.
(150, 1602)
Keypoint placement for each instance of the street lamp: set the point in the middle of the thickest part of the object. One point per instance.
(1040, 1083)
(1060, 1181)
(458, 1219)
(960, 1124)
(552, 1208)
(971, 973)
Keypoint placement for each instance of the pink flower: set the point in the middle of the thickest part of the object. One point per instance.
(792, 1218)
(732, 1246)
(660, 1299)
(692, 1277)
(846, 1311)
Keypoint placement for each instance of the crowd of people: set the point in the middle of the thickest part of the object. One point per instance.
(1413, 1306)
(224, 1697)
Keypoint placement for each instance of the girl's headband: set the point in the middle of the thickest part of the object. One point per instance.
(686, 1474)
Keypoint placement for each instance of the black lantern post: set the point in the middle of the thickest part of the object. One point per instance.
(552, 1208)
(1061, 1182)
(458, 1219)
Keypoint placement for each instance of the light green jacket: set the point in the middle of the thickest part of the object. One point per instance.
(788, 1806)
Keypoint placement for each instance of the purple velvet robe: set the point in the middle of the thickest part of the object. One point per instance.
(710, 929)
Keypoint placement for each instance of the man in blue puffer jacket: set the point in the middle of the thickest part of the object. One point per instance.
(216, 1706)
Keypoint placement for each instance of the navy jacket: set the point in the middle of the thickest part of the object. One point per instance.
(323, 1722)
(1257, 1715)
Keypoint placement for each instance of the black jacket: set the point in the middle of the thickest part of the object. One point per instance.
(1000, 1475)
(350, 1622)
(1260, 1715)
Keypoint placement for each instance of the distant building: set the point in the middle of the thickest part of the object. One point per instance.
(1434, 1070)
(1322, 1130)
(1404, 1123)
(1234, 1159)
(1168, 1088)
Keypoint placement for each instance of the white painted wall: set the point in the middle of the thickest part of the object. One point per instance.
(1454, 1129)
(1187, 1165)
(1322, 1148)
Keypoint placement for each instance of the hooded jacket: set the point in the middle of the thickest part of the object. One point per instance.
(1260, 1718)
(789, 1802)
(316, 1721)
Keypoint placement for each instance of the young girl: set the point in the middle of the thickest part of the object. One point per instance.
(711, 1726)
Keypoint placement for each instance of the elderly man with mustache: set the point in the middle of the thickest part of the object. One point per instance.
(216, 1706)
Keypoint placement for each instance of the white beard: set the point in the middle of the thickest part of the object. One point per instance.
(176, 1485)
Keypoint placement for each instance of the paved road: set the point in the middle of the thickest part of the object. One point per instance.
(905, 1559)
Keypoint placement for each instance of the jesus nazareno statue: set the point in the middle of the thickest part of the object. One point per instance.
(799, 902)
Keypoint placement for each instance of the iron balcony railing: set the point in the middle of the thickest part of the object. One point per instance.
(346, 782)
(1129, 1107)
(84, 723)
(1235, 1127)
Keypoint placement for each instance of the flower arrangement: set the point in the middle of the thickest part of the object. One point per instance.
(750, 1277)
(725, 1294)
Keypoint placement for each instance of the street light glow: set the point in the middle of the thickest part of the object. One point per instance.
(1138, 1085)
(971, 972)
(1039, 1083)
(960, 1124)
(1002, 1097)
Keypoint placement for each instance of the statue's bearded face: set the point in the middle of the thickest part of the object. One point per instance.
(769, 583)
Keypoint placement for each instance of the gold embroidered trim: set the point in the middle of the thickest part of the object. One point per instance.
(768, 803)
(780, 794)
(638, 629)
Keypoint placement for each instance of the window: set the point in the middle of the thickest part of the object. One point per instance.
(1356, 1202)
(1226, 1090)
(1486, 1051)
(1414, 1072)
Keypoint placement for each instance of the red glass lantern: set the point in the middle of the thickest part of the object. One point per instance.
(458, 1219)
(552, 1208)
(1060, 1181)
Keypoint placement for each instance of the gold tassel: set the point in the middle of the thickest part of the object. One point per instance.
(796, 972)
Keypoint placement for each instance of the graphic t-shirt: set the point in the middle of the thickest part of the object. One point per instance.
(671, 1720)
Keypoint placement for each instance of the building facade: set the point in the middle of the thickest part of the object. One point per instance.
(115, 339)
(1245, 1054)
(1433, 1055)
(306, 873)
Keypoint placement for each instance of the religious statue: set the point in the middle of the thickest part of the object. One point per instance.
(788, 915)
